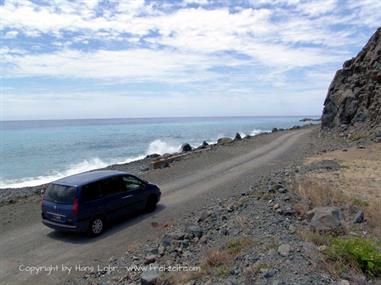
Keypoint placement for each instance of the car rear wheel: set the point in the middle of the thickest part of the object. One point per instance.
(151, 204)
(96, 226)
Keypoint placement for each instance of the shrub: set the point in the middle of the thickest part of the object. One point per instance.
(235, 246)
(356, 252)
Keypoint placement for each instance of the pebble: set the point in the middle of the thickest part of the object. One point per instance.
(284, 249)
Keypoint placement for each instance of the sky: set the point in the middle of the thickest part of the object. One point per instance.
(134, 58)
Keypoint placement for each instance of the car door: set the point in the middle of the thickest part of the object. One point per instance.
(135, 194)
(91, 201)
(114, 196)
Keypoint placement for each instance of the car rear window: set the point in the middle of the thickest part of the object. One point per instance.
(60, 193)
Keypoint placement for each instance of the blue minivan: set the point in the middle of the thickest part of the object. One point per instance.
(85, 202)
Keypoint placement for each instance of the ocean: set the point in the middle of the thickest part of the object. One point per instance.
(37, 152)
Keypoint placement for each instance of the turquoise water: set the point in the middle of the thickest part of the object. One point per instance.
(35, 152)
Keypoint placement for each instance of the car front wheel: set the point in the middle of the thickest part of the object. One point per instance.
(151, 204)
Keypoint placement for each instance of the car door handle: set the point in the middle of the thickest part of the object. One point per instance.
(128, 196)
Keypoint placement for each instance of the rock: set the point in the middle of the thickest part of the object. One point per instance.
(274, 130)
(231, 281)
(268, 273)
(154, 155)
(284, 249)
(204, 143)
(282, 190)
(276, 206)
(326, 165)
(286, 211)
(161, 163)
(186, 147)
(359, 218)
(203, 216)
(326, 219)
(150, 277)
(194, 231)
(161, 250)
(310, 249)
(237, 137)
(354, 96)
(343, 282)
(223, 141)
(150, 259)
(204, 239)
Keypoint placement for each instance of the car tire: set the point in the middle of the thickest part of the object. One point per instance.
(96, 226)
(151, 204)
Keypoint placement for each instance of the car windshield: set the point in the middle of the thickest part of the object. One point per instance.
(60, 193)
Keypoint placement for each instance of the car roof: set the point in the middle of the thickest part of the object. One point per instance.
(87, 177)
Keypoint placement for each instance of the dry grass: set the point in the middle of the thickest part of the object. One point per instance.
(236, 246)
(357, 183)
(373, 216)
(242, 221)
(318, 192)
(313, 236)
(181, 278)
(216, 258)
(360, 175)
(252, 271)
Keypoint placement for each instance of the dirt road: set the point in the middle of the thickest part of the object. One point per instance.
(185, 189)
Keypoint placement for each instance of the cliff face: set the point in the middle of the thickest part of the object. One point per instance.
(353, 102)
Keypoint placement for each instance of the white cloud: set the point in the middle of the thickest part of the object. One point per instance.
(137, 64)
(259, 49)
(11, 34)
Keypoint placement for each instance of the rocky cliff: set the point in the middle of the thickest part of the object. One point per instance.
(353, 103)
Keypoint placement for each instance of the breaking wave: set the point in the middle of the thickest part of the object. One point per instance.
(157, 146)
(162, 147)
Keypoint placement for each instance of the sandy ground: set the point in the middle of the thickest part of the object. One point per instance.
(189, 184)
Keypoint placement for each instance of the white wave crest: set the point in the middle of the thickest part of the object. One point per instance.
(162, 147)
(257, 132)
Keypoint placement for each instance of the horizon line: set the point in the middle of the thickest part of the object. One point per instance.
(174, 117)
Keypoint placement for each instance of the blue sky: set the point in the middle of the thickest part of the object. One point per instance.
(98, 59)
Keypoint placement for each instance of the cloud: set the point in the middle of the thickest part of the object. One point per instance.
(233, 49)
(138, 64)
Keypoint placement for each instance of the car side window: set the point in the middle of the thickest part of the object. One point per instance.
(111, 186)
(91, 192)
(131, 183)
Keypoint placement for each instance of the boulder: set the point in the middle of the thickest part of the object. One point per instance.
(150, 259)
(186, 147)
(274, 130)
(359, 217)
(150, 277)
(154, 155)
(284, 249)
(204, 144)
(237, 137)
(194, 231)
(326, 219)
(223, 141)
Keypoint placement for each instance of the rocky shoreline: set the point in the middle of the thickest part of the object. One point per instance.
(138, 167)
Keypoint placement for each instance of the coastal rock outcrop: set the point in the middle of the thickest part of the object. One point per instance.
(353, 102)
(186, 147)
(223, 141)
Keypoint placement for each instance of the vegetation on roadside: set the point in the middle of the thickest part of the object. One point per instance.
(356, 252)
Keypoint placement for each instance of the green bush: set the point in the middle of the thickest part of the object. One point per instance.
(360, 253)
